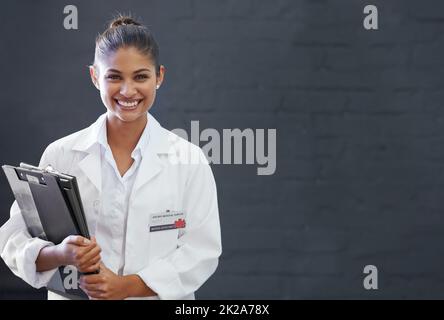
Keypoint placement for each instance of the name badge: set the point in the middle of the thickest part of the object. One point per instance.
(167, 220)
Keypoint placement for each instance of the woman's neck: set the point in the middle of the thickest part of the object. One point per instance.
(124, 135)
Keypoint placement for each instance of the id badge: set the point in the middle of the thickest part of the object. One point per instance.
(167, 220)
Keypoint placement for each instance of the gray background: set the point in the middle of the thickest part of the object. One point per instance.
(358, 115)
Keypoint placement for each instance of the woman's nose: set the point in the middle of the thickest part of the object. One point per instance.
(128, 89)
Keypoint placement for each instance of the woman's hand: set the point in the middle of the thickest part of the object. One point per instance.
(80, 252)
(105, 285)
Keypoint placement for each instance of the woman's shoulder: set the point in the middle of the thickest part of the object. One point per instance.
(173, 143)
(183, 149)
(65, 147)
(69, 141)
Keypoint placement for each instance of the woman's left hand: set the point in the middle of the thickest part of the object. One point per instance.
(106, 285)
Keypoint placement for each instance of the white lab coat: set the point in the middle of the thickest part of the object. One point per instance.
(173, 263)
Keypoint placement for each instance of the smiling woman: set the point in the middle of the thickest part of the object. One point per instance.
(127, 80)
(127, 72)
(154, 223)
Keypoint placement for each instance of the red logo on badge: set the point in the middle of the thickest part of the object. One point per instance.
(179, 223)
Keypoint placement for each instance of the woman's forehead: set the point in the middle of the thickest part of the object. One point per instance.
(127, 59)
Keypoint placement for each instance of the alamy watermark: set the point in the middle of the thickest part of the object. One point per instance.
(371, 20)
(371, 280)
(70, 21)
(231, 146)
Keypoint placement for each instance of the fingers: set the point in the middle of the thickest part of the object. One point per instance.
(92, 285)
(85, 253)
(92, 294)
(93, 268)
(91, 279)
(80, 254)
(95, 287)
(90, 257)
(78, 240)
(95, 261)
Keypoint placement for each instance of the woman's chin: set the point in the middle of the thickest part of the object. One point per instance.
(129, 117)
(126, 115)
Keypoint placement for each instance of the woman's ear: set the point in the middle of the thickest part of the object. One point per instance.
(160, 76)
(94, 76)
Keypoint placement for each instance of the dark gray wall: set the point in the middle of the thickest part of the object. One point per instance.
(360, 170)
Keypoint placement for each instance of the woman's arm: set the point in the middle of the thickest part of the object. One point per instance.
(109, 286)
(80, 252)
(48, 258)
(183, 271)
(20, 251)
(135, 287)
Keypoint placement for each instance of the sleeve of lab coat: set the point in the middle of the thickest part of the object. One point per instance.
(19, 250)
(196, 258)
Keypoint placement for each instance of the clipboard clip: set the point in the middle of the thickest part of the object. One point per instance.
(48, 169)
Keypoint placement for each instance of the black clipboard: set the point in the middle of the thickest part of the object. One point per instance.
(52, 209)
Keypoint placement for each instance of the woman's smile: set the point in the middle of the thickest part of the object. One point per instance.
(128, 104)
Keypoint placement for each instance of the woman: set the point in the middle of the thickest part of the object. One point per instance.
(154, 220)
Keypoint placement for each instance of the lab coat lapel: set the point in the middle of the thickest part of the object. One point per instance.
(91, 163)
(91, 167)
(151, 165)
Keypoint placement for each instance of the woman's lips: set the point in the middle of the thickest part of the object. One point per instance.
(128, 104)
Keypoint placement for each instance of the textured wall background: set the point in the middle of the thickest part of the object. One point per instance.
(359, 119)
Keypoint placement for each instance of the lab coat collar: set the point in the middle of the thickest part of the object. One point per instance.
(158, 143)
(139, 149)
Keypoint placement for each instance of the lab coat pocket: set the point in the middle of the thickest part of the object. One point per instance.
(162, 243)
(164, 232)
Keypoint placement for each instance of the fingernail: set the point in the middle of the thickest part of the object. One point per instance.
(87, 241)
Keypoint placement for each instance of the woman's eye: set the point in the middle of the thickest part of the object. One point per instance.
(113, 77)
(141, 77)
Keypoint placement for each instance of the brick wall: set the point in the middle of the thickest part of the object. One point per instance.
(359, 122)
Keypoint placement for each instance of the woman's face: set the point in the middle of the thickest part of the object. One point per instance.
(127, 82)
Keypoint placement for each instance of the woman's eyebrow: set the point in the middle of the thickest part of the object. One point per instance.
(113, 70)
(140, 70)
(137, 71)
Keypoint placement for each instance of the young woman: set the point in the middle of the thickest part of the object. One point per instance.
(154, 219)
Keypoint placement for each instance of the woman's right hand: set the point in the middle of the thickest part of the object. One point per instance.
(80, 252)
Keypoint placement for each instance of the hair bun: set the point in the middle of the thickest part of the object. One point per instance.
(123, 21)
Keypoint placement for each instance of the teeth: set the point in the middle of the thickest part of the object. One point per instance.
(128, 104)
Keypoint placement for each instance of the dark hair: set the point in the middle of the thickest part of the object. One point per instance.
(123, 32)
